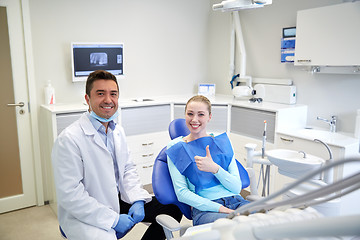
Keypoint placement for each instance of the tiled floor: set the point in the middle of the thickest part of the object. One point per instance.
(40, 223)
(32, 223)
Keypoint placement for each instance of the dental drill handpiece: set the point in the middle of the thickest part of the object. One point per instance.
(264, 141)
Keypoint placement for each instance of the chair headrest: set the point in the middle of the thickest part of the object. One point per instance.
(178, 128)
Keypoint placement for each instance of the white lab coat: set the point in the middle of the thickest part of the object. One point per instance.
(85, 181)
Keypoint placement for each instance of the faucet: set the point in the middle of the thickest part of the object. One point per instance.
(331, 122)
(329, 174)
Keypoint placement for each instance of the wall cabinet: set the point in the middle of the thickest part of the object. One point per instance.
(328, 36)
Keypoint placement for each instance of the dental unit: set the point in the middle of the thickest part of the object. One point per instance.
(299, 213)
(288, 218)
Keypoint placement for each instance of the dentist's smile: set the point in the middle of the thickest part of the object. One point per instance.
(107, 107)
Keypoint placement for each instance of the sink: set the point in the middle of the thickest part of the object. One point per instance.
(293, 164)
(326, 136)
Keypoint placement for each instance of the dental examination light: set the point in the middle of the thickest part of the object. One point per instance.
(236, 5)
(237, 44)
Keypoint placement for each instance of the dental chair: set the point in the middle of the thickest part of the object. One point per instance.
(163, 187)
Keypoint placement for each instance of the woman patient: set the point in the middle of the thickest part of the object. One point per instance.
(203, 168)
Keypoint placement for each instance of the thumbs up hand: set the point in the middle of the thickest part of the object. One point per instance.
(206, 164)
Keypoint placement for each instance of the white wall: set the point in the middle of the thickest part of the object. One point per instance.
(171, 45)
(325, 94)
(164, 43)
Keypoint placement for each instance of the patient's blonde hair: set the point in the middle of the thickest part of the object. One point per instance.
(200, 98)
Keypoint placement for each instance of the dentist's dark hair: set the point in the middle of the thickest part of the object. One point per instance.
(99, 75)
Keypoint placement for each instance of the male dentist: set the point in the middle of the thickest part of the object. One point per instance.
(98, 189)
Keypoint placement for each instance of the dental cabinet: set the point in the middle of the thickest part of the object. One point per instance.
(328, 36)
(146, 132)
(146, 127)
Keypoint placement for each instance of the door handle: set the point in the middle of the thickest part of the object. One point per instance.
(20, 104)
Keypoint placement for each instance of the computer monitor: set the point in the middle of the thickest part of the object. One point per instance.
(88, 57)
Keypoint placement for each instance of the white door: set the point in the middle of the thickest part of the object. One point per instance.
(17, 178)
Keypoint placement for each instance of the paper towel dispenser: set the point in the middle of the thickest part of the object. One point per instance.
(327, 38)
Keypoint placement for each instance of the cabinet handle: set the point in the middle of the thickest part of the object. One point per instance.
(149, 166)
(286, 139)
(147, 155)
(304, 60)
(147, 144)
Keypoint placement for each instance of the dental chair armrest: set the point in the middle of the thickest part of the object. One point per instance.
(252, 198)
(169, 224)
(184, 228)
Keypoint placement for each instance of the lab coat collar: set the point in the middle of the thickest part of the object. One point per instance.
(90, 130)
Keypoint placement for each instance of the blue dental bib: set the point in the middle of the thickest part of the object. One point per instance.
(182, 155)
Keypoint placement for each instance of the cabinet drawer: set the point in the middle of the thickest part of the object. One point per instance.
(148, 119)
(145, 172)
(218, 122)
(250, 123)
(148, 142)
(63, 120)
(140, 143)
(141, 158)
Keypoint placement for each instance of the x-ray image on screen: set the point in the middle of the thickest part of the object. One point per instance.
(98, 59)
(88, 57)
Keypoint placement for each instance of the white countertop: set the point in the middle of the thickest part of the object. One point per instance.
(339, 139)
(181, 99)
